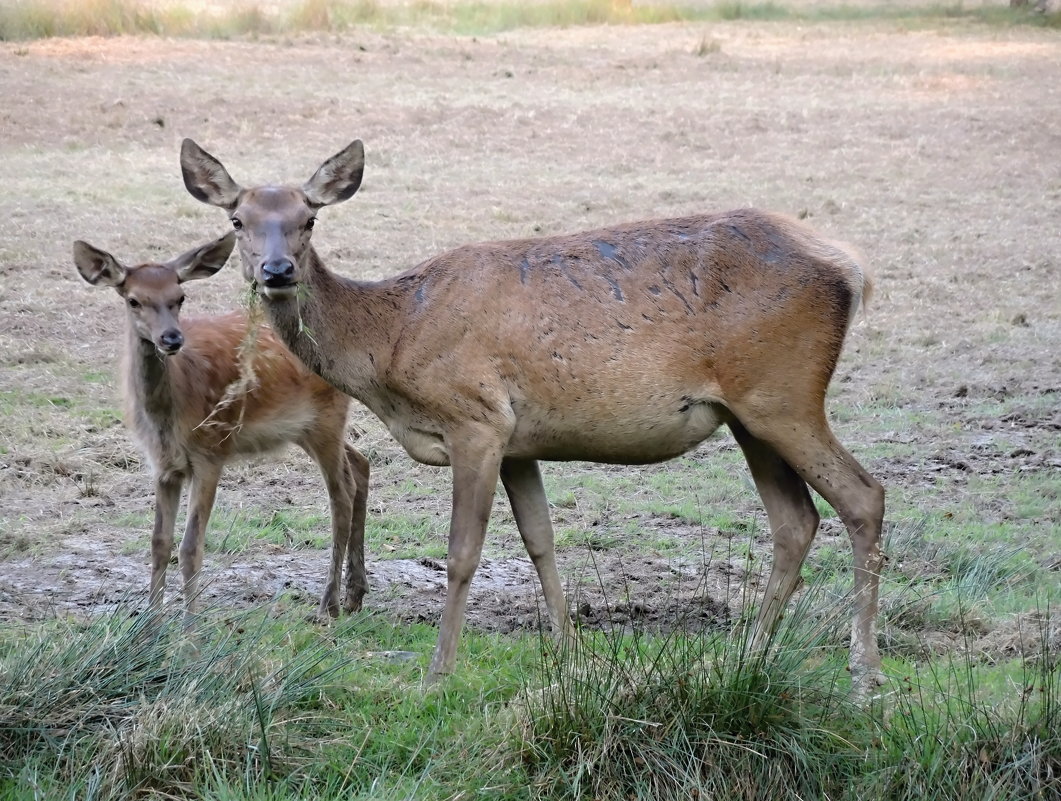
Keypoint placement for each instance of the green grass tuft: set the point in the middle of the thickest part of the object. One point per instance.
(625, 716)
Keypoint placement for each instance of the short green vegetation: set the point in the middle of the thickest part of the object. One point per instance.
(255, 706)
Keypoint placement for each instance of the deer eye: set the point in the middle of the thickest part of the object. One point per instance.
(180, 301)
(134, 303)
(237, 223)
(310, 222)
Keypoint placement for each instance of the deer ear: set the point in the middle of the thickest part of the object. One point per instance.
(338, 178)
(96, 266)
(203, 261)
(206, 178)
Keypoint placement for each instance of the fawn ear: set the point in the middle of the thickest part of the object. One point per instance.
(203, 261)
(338, 178)
(96, 266)
(206, 178)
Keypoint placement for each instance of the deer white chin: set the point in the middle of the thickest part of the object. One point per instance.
(278, 292)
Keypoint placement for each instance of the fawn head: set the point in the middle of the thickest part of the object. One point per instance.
(273, 224)
(152, 292)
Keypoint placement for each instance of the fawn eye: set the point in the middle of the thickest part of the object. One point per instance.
(134, 303)
(180, 301)
(237, 223)
(310, 222)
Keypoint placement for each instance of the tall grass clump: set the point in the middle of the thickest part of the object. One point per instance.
(960, 730)
(626, 716)
(950, 585)
(126, 707)
(38, 19)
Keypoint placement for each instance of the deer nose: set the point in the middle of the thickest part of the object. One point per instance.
(171, 341)
(278, 272)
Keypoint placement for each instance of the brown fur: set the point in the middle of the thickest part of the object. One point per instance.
(626, 344)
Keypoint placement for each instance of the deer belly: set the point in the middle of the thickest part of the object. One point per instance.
(426, 447)
(618, 439)
(256, 437)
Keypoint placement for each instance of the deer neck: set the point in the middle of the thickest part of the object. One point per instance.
(343, 330)
(148, 378)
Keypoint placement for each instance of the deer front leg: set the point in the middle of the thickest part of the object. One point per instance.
(476, 465)
(356, 576)
(332, 460)
(200, 504)
(523, 483)
(167, 498)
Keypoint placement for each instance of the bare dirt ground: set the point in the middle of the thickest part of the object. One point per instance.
(936, 149)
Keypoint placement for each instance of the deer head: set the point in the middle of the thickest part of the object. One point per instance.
(273, 224)
(152, 292)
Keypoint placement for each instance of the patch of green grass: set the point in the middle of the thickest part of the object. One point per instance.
(406, 536)
(97, 377)
(135, 519)
(593, 539)
(234, 531)
(12, 400)
(736, 9)
(123, 707)
(996, 510)
(258, 706)
(237, 530)
(956, 585)
(958, 730)
(14, 543)
(625, 716)
(711, 489)
(100, 419)
(484, 17)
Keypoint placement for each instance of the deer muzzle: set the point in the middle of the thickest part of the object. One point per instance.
(170, 341)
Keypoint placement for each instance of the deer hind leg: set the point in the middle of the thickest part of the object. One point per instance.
(200, 503)
(476, 458)
(793, 524)
(167, 499)
(330, 454)
(356, 576)
(523, 483)
(812, 450)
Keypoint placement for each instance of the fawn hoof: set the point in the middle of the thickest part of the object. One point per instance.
(324, 615)
(352, 605)
(355, 596)
(864, 685)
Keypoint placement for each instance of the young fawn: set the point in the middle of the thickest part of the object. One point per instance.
(189, 423)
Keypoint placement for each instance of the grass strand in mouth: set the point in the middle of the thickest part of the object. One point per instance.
(247, 352)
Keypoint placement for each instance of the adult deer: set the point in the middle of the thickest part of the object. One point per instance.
(177, 376)
(628, 344)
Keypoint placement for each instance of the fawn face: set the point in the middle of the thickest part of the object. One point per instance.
(152, 292)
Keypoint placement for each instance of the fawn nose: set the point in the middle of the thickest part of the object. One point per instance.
(278, 272)
(171, 341)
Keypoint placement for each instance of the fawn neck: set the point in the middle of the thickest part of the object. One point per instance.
(149, 381)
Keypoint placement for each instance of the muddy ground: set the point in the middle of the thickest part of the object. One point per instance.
(935, 148)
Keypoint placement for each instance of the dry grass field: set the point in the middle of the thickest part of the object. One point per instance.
(935, 148)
